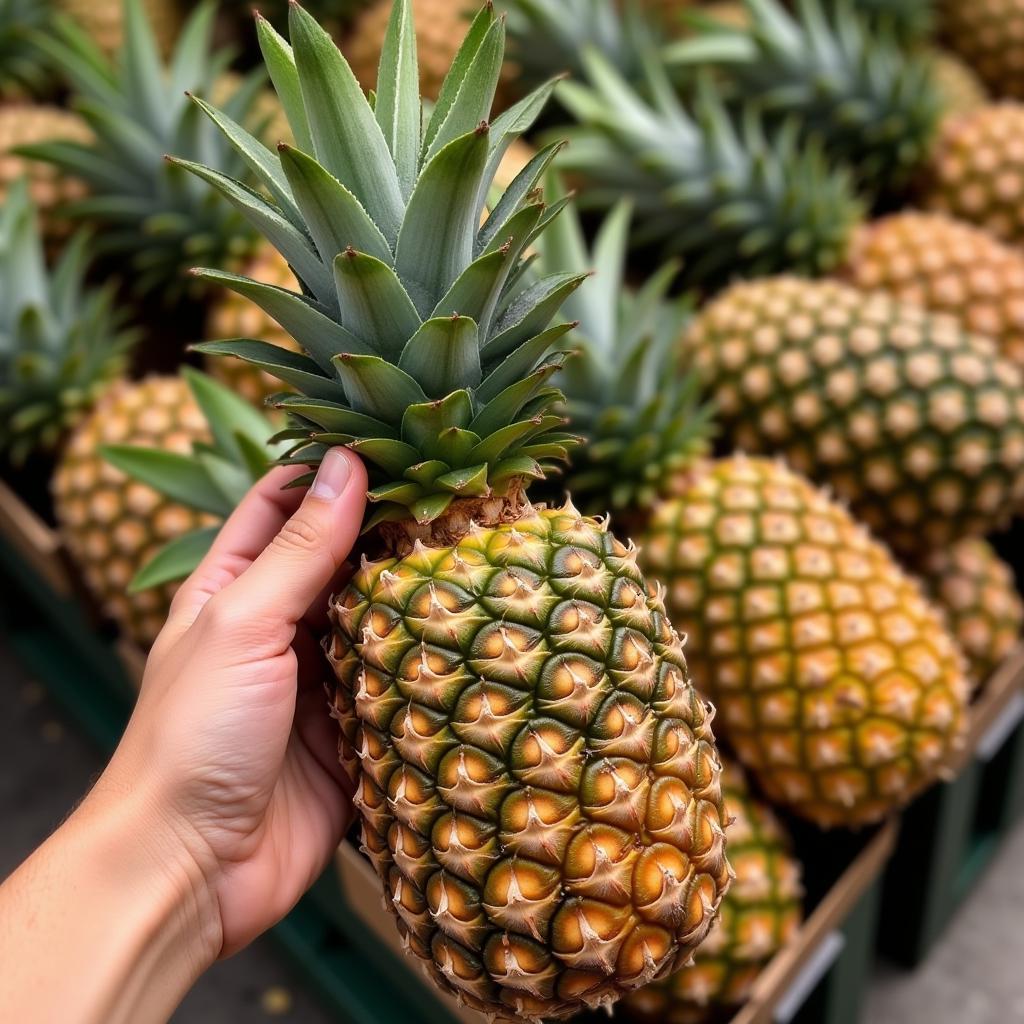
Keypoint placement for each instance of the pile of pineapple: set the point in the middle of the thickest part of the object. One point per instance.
(687, 439)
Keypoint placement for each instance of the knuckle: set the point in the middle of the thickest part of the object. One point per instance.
(222, 615)
(299, 534)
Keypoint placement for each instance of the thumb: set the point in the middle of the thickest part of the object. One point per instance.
(309, 549)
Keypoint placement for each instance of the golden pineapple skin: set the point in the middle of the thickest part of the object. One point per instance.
(233, 316)
(760, 915)
(959, 87)
(103, 21)
(976, 172)
(945, 265)
(835, 682)
(915, 423)
(111, 525)
(975, 591)
(535, 775)
(26, 124)
(989, 36)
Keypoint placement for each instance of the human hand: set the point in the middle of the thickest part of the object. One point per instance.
(231, 750)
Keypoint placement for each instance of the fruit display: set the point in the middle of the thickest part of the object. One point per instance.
(870, 101)
(976, 172)
(989, 36)
(913, 421)
(944, 265)
(835, 681)
(759, 916)
(157, 221)
(975, 591)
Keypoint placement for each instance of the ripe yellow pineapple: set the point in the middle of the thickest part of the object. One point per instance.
(113, 526)
(914, 422)
(948, 266)
(976, 171)
(835, 681)
(760, 915)
(976, 593)
(989, 36)
(103, 20)
(28, 124)
(960, 89)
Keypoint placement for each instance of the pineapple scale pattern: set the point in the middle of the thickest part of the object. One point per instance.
(535, 774)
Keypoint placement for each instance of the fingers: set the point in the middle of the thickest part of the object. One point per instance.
(303, 556)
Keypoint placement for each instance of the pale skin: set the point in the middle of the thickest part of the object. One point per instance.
(224, 800)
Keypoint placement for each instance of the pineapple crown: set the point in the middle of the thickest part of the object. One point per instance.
(708, 187)
(213, 477)
(548, 36)
(138, 110)
(909, 21)
(424, 339)
(24, 67)
(626, 393)
(61, 344)
(870, 100)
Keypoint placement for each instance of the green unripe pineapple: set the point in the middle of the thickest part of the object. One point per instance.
(536, 778)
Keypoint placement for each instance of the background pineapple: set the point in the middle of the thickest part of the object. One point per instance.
(835, 682)
(975, 592)
(976, 172)
(989, 35)
(914, 422)
(536, 778)
(760, 915)
(106, 22)
(960, 89)
(23, 67)
(937, 263)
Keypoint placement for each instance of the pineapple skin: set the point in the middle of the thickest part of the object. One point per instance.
(25, 125)
(836, 684)
(976, 172)
(944, 265)
(915, 423)
(961, 89)
(975, 592)
(989, 36)
(535, 775)
(234, 316)
(760, 915)
(103, 20)
(113, 526)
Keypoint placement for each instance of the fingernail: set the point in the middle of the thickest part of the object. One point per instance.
(332, 476)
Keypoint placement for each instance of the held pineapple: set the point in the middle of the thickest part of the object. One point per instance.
(989, 36)
(975, 592)
(710, 189)
(836, 682)
(870, 101)
(760, 915)
(778, 558)
(156, 220)
(112, 525)
(940, 264)
(536, 778)
(976, 172)
(61, 345)
(914, 422)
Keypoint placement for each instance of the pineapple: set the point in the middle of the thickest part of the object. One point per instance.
(914, 422)
(25, 124)
(112, 526)
(870, 101)
(989, 36)
(836, 683)
(229, 456)
(715, 192)
(976, 172)
(760, 915)
(156, 221)
(937, 263)
(536, 778)
(975, 592)
(23, 67)
(106, 21)
(61, 345)
(960, 90)
(909, 21)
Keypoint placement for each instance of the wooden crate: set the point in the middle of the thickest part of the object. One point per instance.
(37, 543)
(953, 831)
(818, 977)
